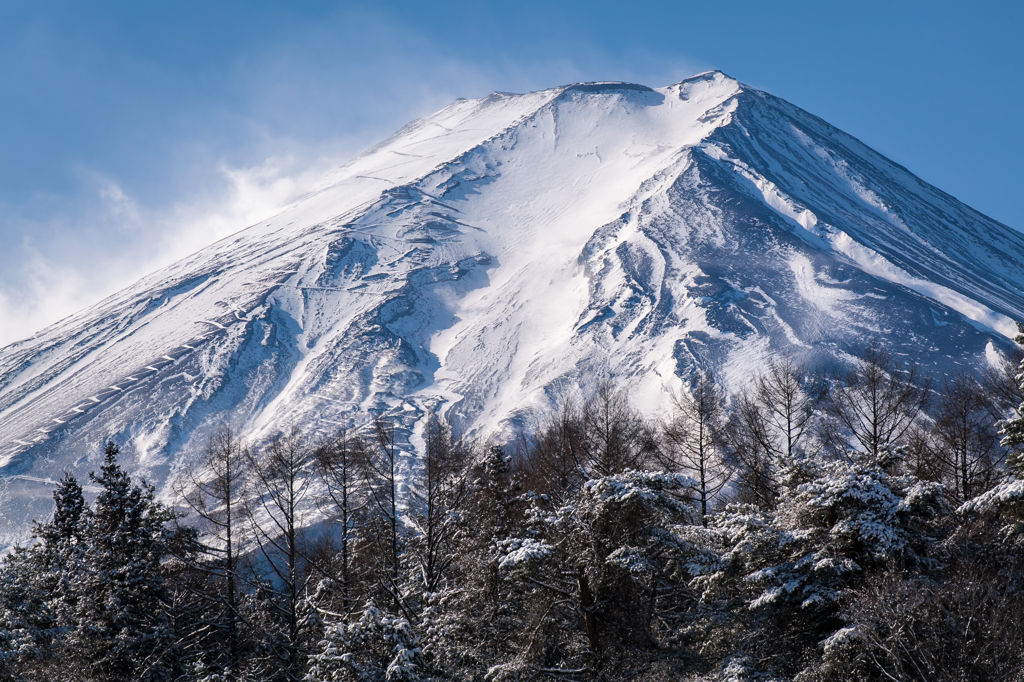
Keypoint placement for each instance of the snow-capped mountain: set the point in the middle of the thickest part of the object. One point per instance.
(505, 250)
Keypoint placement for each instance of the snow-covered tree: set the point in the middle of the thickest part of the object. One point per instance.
(790, 569)
(1006, 500)
(375, 647)
(475, 618)
(122, 626)
(28, 626)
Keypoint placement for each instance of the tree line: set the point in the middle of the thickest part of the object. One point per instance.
(862, 524)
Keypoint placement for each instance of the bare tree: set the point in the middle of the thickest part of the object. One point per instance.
(550, 462)
(380, 471)
(281, 481)
(438, 495)
(340, 460)
(613, 437)
(962, 446)
(875, 403)
(769, 425)
(214, 492)
(603, 437)
(694, 439)
(788, 397)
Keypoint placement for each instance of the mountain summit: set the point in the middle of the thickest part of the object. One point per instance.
(504, 251)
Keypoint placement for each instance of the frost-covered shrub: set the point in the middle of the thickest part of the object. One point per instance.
(864, 513)
(375, 648)
(781, 577)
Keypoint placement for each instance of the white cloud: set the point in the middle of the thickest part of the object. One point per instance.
(295, 109)
(252, 194)
(45, 293)
(125, 241)
(120, 205)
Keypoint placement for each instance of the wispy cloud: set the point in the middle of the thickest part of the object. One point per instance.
(278, 117)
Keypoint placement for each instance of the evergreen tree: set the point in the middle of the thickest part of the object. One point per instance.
(38, 588)
(474, 621)
(64, 526)
(376, 647)
(122, 628)
(28, 626)
(59, 554)
(1006, 500)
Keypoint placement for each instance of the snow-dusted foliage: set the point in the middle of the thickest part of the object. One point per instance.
(91, 592)
(375, 647)
(864, 511)
(1009, 496)
(791, 569)
(1013, 429)
(123, 627)
(1006, 500)
(519, 554)
(27, 622)
(584, 550)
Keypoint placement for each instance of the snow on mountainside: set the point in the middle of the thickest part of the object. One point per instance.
(506, 249)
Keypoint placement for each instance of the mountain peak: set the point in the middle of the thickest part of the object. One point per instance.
(607, 86)
(713, 75)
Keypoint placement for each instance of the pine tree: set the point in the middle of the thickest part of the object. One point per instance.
(475, 620)
(64, 526)
(618, 534)
(38, 594)
(60, 551)
(122, 629)
(375, 647)
(28, 626)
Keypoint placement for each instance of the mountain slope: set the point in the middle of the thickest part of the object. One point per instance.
(505, 250)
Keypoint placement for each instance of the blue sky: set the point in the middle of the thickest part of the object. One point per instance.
(132, 134)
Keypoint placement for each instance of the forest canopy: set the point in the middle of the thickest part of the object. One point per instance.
(863, 524)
